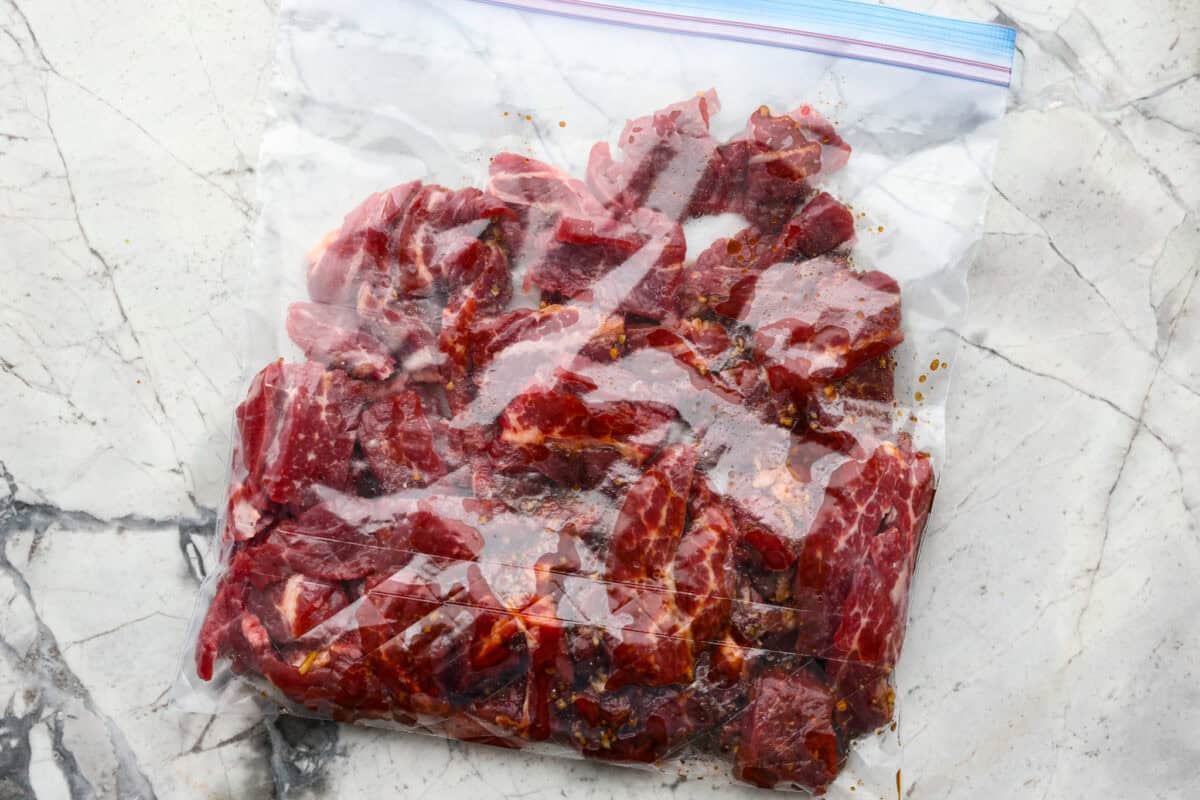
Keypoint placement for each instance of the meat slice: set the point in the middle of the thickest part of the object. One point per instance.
(479, 270)
(338, 541)
(865, 499)
(259, 583)
(666, 157)
(566, 240)
(871, 624)
(861, 404)
(647, 725)
(333, 679)
(651, 520)
(554, 212)
(787, 734)
(772, 501)
(401, 240)
(725, 276)
(291, 607)
(404, 446)
(533, 337)
(361, 249)
(297, 427)
(331, 335)
(574, 442)
(703, 570)
(654, 648)
(782, 154)
(816, 321)
(323, 544)
(820, 227)
(403, 327)
(454, 344)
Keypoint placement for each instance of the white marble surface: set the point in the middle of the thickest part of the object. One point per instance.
(1053, 650)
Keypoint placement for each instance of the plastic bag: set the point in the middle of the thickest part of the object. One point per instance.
(608, 422)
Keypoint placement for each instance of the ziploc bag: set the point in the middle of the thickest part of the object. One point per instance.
(604, 379)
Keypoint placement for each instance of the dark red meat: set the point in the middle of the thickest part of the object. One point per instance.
(787, 734)
(297, 426)
(703, 568)
(782, 155)
(403, 445)
(402, 326)
(362, 249)
(864, 501)
(402, 240)
(568, 243)
(544, 478)
(665, 160)
(331, 335)
(843, 319)
(561, 421)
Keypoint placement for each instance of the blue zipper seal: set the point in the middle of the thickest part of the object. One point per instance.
(970, 50)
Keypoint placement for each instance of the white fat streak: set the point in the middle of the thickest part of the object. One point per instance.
(289, 603)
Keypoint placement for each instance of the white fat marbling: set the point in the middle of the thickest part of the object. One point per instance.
(1052, 651)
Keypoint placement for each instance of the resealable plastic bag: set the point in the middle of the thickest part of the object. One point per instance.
(602, 360)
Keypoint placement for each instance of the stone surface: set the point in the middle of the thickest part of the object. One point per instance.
(1052, 650)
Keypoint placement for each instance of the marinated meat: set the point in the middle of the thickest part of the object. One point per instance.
(543, 479)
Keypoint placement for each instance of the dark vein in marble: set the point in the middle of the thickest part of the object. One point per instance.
(46, 672)
(240, 203)
(16, 751)
(1161, 177)
(1094, 570)
(1164, 89)
(1049, 376)
(122, 626)
(24, 516)
(77, 783)
(106, 266)
(1074, 267)
(300, 750)
(1194, 134)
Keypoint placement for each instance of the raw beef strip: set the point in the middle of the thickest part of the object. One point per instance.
(573, 442)
(783, 153)
(567, 240)
(872, 616)
(862, 403)
(643, 724)
(665, 159)
(361, 249)
(653, 650)
(297, 426)
(787, 734)
(703, 569)
(404, 446)
(817, 320)
(401, 240)
(295, 612)
(725, 276)
(864, 500)
(331, 335)
(404, 327)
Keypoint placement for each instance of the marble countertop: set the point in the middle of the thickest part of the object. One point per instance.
(128, 134)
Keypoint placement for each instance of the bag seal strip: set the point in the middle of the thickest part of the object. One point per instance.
(974, 51)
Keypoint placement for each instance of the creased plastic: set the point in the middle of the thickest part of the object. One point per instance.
(603, 352)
